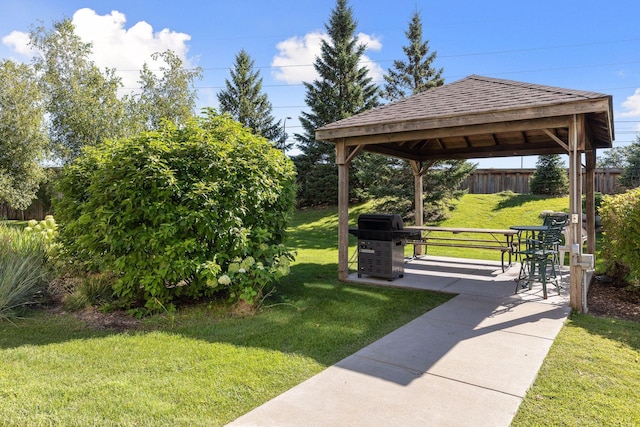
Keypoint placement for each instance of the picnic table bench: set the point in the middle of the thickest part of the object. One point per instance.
(474, 238)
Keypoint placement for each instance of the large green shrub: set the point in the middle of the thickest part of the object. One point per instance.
(621, 245)
(171, 213)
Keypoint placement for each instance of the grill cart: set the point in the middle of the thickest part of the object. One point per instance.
(381, 241)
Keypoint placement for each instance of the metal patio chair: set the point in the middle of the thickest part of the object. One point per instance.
(539, 259)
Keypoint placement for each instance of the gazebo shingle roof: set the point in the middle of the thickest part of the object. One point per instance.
(474, 101)
(471, 95)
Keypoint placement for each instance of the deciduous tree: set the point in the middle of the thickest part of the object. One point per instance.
(170, 96)
(630, 176)
(23, 140)
(82, 104)
(616, 157)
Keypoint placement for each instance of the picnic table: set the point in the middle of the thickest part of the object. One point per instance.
(474, 238)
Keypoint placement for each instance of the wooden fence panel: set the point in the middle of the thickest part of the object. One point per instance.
(490, 181)
(35, 211)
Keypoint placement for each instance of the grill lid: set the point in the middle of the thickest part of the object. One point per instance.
(380, 222)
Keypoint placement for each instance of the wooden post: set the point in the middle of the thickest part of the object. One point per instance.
(590, 200)
(575, 207)
(343, 210)
(419, 207)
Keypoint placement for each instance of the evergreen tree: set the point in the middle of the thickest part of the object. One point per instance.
(243, 99)
(342, 90)
(550, 177)
(391, 179)
(417, 74)
(630, 177)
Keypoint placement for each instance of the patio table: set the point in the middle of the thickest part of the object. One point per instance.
(497, 239)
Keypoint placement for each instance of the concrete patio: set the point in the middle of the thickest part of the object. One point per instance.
(469, 361)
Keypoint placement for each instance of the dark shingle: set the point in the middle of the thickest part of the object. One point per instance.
(471, 95)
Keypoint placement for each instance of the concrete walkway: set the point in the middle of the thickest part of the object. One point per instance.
(468, 362)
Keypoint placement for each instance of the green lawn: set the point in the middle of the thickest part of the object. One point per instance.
(207, 366)
(591, 377)
(203, 366)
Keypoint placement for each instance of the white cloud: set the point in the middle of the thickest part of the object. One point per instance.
(294, 62)
(19, 42)
(114, 46)
(372, 42)
(126, 50)
(295, 58)
(632, 104)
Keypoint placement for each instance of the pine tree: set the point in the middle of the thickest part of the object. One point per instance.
(391, 179)
(550, 177)
(417, 73)
(243, 99)
(342, 90)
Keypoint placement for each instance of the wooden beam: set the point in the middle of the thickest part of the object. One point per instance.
(343, 210)
(354, 152)
(418, 171)
(466, 153)
(590, 200)
(400, 154)
(468, 119)
(422, 144)
(581, 124)
(556, 139)
(575, 226)
(459, 131)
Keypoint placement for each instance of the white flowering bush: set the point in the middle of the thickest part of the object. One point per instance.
(246, 278)
(180, 212)
(47, 229)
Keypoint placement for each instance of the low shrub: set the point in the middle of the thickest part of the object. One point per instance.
(92, 290)
(621, 222)
(171, 213)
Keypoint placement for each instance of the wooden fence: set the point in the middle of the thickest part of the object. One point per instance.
(489, 181)
(35, 211)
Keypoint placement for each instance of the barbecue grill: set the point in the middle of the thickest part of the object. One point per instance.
(381, 241)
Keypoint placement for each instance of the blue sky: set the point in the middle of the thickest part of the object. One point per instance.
(587, 45)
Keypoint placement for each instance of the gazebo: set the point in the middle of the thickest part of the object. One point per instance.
(482, 117)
